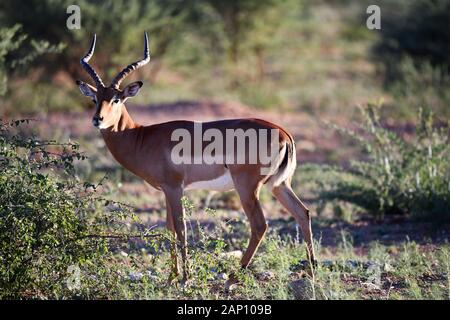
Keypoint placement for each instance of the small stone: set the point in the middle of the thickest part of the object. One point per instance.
(232, 254)
(302, 289)
(123, 254)
(230, 285)
(352, 264)
(222, 276)
(266, 275)
(329, 264)
(388, 267)
(151, 276)
(371, 286)
(135, 276)
(301, 265)
(371, 265)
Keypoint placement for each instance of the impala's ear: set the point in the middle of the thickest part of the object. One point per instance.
(132, 89)
(87, 89)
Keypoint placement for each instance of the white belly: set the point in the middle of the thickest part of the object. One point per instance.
(222, 183)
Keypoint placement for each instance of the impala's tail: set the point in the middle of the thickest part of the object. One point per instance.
(286, 166)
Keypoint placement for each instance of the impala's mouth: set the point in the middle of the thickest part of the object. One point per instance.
(97, 121)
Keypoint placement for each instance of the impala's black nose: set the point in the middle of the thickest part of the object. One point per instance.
(96, 120)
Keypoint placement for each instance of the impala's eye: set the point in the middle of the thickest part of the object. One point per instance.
(116, 101)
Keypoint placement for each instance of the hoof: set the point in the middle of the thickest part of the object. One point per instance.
(185, 283)
(172, 279)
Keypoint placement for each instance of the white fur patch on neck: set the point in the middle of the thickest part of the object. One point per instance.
(103, 125)
(222, 183)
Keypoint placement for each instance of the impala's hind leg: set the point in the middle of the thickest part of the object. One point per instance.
(249, 193)
(295, 206)
(249, 199)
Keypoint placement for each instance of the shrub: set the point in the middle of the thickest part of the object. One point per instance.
(51, 225)
(398, 176)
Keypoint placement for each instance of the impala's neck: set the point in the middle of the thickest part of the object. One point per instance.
(124, 121)
(120, 135)
(121, 140)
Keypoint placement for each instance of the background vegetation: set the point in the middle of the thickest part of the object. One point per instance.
(369, 110)
(246, 46)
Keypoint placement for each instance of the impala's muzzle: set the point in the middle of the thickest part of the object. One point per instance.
(96, 121)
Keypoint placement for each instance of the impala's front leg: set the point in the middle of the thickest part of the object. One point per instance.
(173, 199)
(173, 246)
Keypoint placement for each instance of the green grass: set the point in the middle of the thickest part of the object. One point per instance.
(403, 271)
(138, 269)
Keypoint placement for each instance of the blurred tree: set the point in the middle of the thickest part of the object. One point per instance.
(239, 18)
(119, 25)
(240, 27)
(121, 30)
(39, 20)
(416, 29)
(17, 50)
(180, 31)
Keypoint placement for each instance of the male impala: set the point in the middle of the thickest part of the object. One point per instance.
(146, 151)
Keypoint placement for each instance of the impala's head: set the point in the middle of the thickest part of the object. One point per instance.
(110, 100)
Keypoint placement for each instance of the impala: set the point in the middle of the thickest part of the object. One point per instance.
(147, 151)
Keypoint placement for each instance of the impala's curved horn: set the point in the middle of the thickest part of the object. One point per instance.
(132, 67)
(87, 66)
